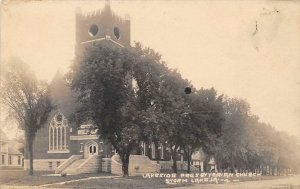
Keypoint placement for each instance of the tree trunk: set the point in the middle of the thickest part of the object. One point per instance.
(189, 162)
(30, 149)
(232, 166)
(148, 151)
(174, 158)
(188, 153)
(219, 166)
(125, 164)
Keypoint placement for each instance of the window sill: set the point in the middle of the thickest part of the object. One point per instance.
(58, 151)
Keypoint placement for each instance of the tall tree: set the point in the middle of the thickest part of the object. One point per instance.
(233, 147)
(103, 81)
(204, 119)
(171, 111)
(147, 76)
(150, 109)
(27, 99)
(166, 108)
(249, 144)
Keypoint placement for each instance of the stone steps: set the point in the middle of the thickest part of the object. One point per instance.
(72, 169)
(90, 165)
(67, 163)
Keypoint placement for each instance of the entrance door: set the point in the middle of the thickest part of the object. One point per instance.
(91, 148)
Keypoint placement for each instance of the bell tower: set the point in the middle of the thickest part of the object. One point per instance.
(94, 27)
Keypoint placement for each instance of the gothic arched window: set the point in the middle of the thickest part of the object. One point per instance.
(58, 134)
(117, 32)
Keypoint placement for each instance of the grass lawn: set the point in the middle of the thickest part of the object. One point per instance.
(137, 182)
(21, 177)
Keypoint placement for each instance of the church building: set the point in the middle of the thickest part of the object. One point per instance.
(65, 147)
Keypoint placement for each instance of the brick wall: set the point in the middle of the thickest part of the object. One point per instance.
(41, 146)
(106, 21)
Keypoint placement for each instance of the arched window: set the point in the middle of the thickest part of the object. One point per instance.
(117, 32)
(93, 30)
(58, 134)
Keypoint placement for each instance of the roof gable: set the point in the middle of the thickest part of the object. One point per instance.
(3, 136)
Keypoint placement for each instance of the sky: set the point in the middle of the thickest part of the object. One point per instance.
(244, 49)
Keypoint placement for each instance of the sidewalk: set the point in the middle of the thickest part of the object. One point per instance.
(282, 183)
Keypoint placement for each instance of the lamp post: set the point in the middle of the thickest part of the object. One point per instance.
(187, 91)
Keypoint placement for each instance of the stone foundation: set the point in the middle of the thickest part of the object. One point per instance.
(44, 164)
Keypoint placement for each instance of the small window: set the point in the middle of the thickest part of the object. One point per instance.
(117, 32)
(3, 159)
(19, 160)
(57, 163)
(59, 118)
(94, 149)
(9, 160)
(81, 147)
(91, 149)
(50, 164)
(93, 30)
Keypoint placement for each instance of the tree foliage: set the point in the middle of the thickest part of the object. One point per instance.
(132, 96)
(27, 99)
(249, 144)
(204, 121)
(102, 80)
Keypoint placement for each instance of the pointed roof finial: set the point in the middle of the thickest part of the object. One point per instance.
(107, 3)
